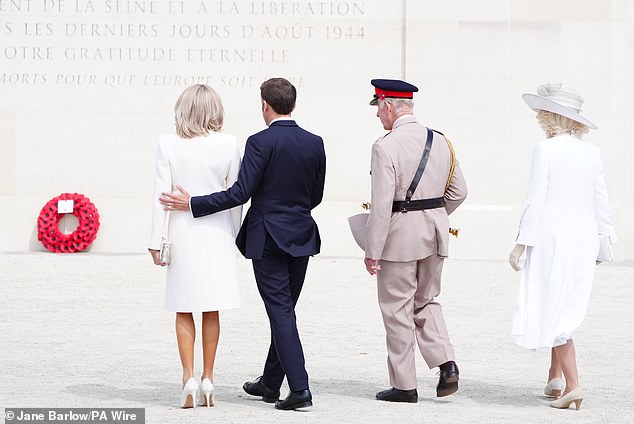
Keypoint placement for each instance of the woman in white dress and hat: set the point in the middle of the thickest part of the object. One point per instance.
(566, 207)
(202, 273)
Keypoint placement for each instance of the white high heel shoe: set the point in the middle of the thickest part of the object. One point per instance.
(554, 388)
(188, 399)
(574, 396)
(204, 393)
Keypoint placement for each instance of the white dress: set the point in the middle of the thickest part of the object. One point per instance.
(202, 274)
(567, 205)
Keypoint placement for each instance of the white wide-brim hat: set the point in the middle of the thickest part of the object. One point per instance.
(559, 99)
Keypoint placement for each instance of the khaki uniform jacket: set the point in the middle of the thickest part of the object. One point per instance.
(403, 237)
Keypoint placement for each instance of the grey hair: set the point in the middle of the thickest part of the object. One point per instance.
(398, 104)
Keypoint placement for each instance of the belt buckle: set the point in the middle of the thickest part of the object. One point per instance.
(404, 207)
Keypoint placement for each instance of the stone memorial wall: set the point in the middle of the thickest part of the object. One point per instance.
(87, 86)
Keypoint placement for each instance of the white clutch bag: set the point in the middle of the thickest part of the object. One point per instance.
(165, 252)
(605, 249)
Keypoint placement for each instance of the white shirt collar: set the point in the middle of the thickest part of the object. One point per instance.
(285, 118)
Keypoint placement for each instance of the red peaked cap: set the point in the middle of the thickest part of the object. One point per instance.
(392, 88)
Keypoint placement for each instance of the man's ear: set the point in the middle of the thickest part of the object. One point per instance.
(389, 107)
(265, 106)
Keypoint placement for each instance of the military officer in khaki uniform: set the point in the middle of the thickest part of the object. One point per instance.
(407, 239)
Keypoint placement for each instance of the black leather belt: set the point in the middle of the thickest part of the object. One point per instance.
(418, 205)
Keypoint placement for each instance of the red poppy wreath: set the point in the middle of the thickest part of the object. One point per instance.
(48, 225)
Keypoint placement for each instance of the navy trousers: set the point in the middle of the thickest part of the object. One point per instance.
(280, 278)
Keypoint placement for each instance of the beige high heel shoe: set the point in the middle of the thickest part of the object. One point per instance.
(574, 396)
(204, 393)
(554, 388)
(188, 399)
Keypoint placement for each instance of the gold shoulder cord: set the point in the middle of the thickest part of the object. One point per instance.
(452, 167)
(453, 231)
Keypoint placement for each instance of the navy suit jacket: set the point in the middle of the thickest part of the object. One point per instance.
(283, 172)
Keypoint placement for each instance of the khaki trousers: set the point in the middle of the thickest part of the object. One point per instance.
(406, 292)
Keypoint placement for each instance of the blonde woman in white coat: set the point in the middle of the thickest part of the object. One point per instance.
(202, 273)
(567, 205)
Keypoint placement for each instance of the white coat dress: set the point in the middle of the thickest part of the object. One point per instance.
(202, 275)
(567, 205)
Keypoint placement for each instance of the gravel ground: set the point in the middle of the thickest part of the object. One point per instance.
(89, 330)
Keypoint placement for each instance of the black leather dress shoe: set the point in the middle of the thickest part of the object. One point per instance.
(448, 381)
(296, 400)
(256, 388)
(397, 395)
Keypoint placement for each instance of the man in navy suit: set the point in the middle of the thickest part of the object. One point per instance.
(282, 172)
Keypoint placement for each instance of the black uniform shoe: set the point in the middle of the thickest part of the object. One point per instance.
(296, 400)
(448, 381)
(256, 388)
(396, 395)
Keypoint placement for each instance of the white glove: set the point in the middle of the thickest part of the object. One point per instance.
(514, 256)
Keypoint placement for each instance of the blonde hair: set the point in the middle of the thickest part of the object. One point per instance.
(554, 124)
(198, 111)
